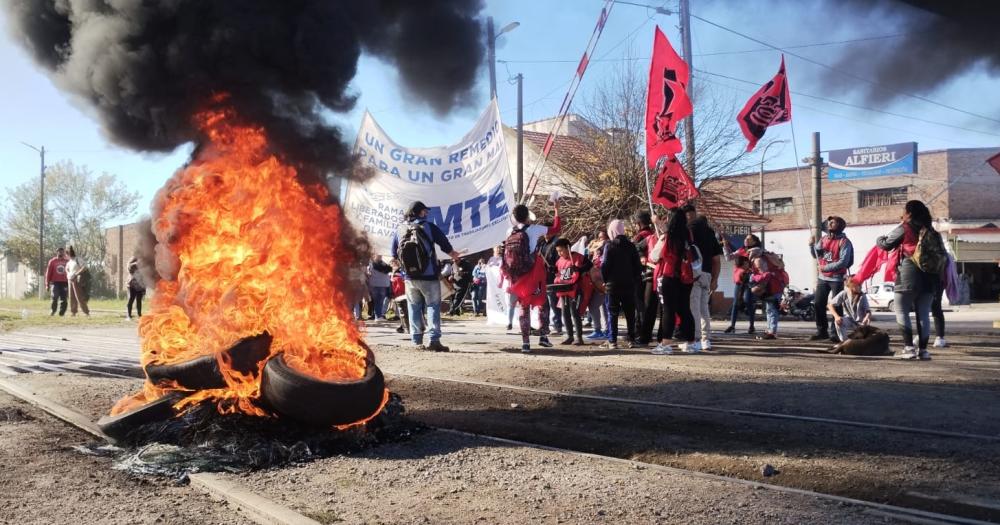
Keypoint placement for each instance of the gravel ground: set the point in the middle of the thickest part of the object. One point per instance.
(443, 478)
(45, 481)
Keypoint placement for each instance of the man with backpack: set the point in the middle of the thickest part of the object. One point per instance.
(523, 266)
(413, 245)
(835, 255)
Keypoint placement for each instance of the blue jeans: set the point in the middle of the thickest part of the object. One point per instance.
(424, 296)
(906, 302)
(379, 297)
(511, 307)
(771, 305)
(743, 297)
(478, 298)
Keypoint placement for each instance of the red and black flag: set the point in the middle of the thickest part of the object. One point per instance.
(770, 105)
(667, 101)
(674, 186)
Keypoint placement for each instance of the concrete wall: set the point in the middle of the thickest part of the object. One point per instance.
(15, 278)
(974, 194)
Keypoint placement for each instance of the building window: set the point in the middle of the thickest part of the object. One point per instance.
(882, 197)
(774, 206)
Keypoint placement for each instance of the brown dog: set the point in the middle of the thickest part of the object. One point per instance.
(864, 340)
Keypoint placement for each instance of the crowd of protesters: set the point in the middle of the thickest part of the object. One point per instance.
(655, 272)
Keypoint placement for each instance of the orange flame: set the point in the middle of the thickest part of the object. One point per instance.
(257, 252)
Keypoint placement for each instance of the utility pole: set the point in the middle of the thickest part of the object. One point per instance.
(41, 222)
(491, 50)
(817, 176)
(491, 56)
(520, 137)
(41, 219)
(685, 17)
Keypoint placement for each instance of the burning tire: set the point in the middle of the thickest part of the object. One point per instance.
(203, 373)
(197, 374)
(160, 410)
(319, 402)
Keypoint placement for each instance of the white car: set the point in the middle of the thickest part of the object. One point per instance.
(880, 296)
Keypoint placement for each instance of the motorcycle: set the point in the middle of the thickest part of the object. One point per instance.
(797, 303)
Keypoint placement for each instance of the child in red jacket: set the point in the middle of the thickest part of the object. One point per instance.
(573, 287)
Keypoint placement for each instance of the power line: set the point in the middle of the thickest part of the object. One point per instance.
(602, 58)
(845, 73)
(860, 121)
(857, 106)
(713, 53)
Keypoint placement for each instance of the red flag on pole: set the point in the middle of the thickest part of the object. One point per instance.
(673, 185)
(770, 105)
(995, 162)
(667, 101)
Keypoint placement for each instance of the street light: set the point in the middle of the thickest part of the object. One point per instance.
(41, 219)
(491, 43)
(763, 156)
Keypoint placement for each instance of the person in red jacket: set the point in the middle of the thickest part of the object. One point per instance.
(574, 287)
(674, 277)
(57, 282)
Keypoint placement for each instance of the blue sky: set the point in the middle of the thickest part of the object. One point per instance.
(550, 31)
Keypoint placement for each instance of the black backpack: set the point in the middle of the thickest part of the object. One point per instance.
(413, 252)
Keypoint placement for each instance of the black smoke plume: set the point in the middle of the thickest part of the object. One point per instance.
(147, 66)
(943, 40)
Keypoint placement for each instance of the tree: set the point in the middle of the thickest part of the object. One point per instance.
(615, 184)
(78, 205)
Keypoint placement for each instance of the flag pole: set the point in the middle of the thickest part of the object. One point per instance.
(645, 139)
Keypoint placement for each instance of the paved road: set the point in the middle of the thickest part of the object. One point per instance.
(115, 350)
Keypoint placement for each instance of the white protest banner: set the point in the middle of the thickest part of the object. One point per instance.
(497, 304)
(466, 186)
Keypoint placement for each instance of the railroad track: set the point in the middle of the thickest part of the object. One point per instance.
(264, 511)
(702, 408)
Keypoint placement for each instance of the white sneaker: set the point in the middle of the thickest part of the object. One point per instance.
(662, 349)
(940, 342)
(908, 352)
(690, 348)
(924, 355)
(706, 345)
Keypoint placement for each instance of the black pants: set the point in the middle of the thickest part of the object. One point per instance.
(647, 306)
(404, 314)
(461, 291)
(675, 297)
(60, 295)
(571, 317)
(622, 302)
(557, 319)
(824, 289)
(135, 296)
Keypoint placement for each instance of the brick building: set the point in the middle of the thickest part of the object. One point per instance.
(122, 242)
(963, 193)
